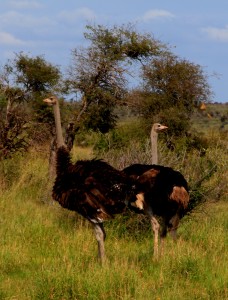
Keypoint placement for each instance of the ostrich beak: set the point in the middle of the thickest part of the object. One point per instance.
(46, 100)
(163, 127)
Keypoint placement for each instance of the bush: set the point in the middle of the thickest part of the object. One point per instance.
(121, 137)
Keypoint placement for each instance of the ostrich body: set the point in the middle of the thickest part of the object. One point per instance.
(161, 193)
(92, 188)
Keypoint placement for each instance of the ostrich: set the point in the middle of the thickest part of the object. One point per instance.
(161, 193)
(92, 188)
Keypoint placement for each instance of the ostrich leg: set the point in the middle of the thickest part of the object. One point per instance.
(155, 227)
(100, 237)
(174, 222)
(163, 233)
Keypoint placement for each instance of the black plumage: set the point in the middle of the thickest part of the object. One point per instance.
(162, 193)
(93, 188)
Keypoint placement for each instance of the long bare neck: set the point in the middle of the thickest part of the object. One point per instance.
(153, 139)
(58, 126)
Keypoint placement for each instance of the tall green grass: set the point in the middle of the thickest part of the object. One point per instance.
(47, 252)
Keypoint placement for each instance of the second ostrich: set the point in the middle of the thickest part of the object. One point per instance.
(161, 193)
(92, 188)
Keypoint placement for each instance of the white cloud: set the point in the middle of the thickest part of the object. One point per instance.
(156, 14)
(14, 19)
(9, 39)
(219, 34)
(75, 15)
(24, 4)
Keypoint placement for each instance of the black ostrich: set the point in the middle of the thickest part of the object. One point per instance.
(161, 193)
(92, 188)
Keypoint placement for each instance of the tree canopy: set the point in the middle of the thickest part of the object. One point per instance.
(23, 82)
(100, 78)
(172, 88)
(99, 72)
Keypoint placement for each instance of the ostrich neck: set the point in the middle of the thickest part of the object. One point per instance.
(58, 126)
(154, 137)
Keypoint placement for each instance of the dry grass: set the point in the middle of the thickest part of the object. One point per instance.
(47, 252)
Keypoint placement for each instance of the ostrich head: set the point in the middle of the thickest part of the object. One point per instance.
(159, 127)
(51, 100)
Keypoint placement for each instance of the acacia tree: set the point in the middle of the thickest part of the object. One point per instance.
(23, 81)
(100, 71)
(172, 88)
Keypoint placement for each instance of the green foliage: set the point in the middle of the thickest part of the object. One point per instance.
(14, 135)
(176, 120)
(121, 42)
(37, 77)
(100, 118)
(99, 76)
(120, 138)
(35, 74)
(112, 140)
(191, 142)
(172, 88)
(99, 72)
(24, 81)
(179, 82)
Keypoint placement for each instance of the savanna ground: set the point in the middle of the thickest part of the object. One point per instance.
(47, 252)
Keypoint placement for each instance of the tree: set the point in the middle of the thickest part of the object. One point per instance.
(37, 77)
(172, 88)
(99, 72)
(12, 122)
(12, 137)
(24, 81)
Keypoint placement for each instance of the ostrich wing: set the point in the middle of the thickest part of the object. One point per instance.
(92, 188)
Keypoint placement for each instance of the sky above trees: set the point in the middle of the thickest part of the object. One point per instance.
(195, 30)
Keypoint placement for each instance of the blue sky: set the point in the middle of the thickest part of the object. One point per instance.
(196, 30)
